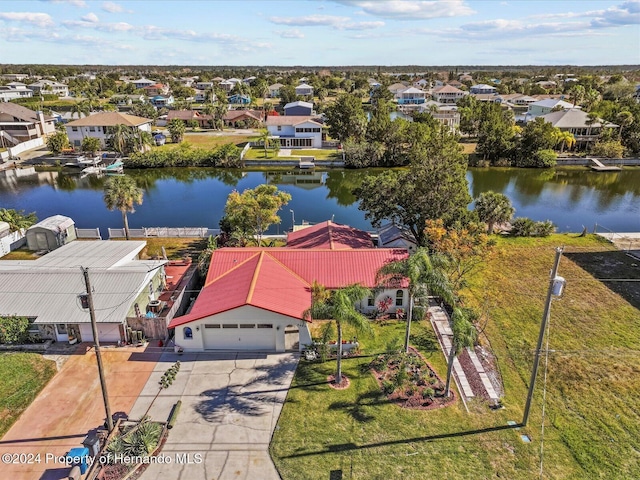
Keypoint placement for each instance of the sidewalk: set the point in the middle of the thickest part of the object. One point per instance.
(442, 326)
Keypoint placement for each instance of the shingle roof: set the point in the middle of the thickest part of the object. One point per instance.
(291, 120)
(329, 235)
(18, 111)
(572, 118)
(109, 119)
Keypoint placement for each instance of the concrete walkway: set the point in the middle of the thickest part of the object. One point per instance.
(230, 406)
(442, 325)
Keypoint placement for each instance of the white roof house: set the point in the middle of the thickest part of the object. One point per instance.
(47, 290)
(542, 107)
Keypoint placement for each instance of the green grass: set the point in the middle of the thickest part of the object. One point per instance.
(22, 376)
(593, 390)
(208, 141)
(20, 254)
(257, 153)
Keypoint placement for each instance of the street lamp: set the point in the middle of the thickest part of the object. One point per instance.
(293, 219)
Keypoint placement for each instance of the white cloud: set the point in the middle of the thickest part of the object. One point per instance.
(91, 17)
(101, 26)
(338, 23)
(310, 21)
(33, 18)
(112, 7)
(627, 13)
(75, 3)
(412, 10)
(295, 33)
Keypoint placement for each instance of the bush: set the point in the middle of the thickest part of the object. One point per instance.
(185, 156)
(545, 159)
(388, 387)
(525, 227)
(608, 149)
(14, 330)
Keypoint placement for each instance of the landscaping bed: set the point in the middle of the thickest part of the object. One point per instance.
(408, 380)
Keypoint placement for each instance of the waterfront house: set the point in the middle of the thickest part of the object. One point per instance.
(295, 131)
(19, 124)
(482, 88)
(410, 96)
(274, 90)
(160, 101)
(578, 123)
(127, 291)
(8, 92)
(447, 94)
(97, 126)
(254, 298)
(50, 87)
(142, 82)
(391, 235)
(542, 107)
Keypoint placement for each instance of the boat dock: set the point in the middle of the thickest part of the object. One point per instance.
(601, 167)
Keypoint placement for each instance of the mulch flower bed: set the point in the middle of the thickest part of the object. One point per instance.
(409, 381)
(344, 384)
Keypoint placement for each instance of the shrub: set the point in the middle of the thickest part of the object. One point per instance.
(545, 158)
(223, 156)
(525, 227)
(14, 329)
(608, 149)
(388, 387)
(428, 393)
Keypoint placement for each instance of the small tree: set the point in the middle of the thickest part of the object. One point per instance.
(17, 219)
(493, 208)
(176, 130)
(253, 211)
(464, 335)
(90, 145)
(608, 149)
(57, 142)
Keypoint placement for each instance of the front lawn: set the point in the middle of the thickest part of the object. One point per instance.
(257, 153)
(22, 376)
(592, 400)
(207, 141)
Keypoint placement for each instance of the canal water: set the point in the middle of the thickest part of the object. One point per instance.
(190, 197)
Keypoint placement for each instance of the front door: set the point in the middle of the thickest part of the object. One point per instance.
(62, 333)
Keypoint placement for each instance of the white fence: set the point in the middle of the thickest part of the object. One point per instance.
(198, 232)
(93, 233)
(12, 241)
(28, 145)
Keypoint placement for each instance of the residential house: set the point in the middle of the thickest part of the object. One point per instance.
(248, 80)
(239, 99)
(578, 123)
(49, 87)
(447, 94)
(455, 83)
(445, 113)
(188, 81)
(8, 93)
(204, 121)
(482, 88)
(518, 99)
(127, 100)
(298, 108)
(161, 101)
(410, 96)
(274, 90)
(226, 85)
(329, 235)
(143, 82)
(254, 299)
(19, 124)
(304, 90)
(397, 87)
(204, 85)
(47, 291)
(97, 126)
(156, 89)
(51, 233)
(242, 118)
(465, 77)
(394, 236)
(15, 77)
(542, 107)
(296, 131)
(201, 96)
(547, 84)
(422, 83)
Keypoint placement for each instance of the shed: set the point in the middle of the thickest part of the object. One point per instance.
(51, 233)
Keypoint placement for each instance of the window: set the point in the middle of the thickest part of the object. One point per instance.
(211, 325)
(62, 328)
(247, 325)
(371, 302)
(188, 333)
(279, 128)
(399, 298)
(229, 325)
(265, 325)
(74, 129)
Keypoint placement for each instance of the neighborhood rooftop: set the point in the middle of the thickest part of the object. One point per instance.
(109, 119)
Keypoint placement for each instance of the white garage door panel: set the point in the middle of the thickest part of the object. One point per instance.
(107, 332)
(237, 338)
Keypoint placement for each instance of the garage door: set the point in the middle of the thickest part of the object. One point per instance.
(240, 336)
(107, 332)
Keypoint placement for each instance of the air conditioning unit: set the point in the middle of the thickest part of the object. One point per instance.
(155, 306)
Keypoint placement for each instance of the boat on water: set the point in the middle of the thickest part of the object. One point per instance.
(115, 167)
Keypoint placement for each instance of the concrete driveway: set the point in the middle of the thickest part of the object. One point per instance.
(70, 405)
(230, 406)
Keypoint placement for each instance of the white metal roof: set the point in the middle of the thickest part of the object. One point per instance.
(93, 254)
(56, 223)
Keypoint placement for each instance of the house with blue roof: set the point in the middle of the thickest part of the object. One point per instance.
(239, 99)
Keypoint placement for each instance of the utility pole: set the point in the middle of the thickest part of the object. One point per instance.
(94, 328)
(553, 291)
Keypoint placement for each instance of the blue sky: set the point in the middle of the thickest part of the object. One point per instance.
(320, 32)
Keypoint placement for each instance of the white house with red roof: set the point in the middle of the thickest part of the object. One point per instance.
(254, 298)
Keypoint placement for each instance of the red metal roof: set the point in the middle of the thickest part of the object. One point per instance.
(279, 279)
(258, 280)
(329, 235)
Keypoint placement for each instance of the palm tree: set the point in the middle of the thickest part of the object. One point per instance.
(464, 335)
(494, 208)
(119, 136)
(265, 138)
(624, 119)
(565, 139)
(122, 193)
(577, 93)
(339, 306)
(176, 129)
(17, 219)
(423, 272)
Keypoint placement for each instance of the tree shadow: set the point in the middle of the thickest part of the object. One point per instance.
(217, 403)
(358, 409)
(610, 266)
(425, 341)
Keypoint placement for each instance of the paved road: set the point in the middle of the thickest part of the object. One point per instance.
(230, 406)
